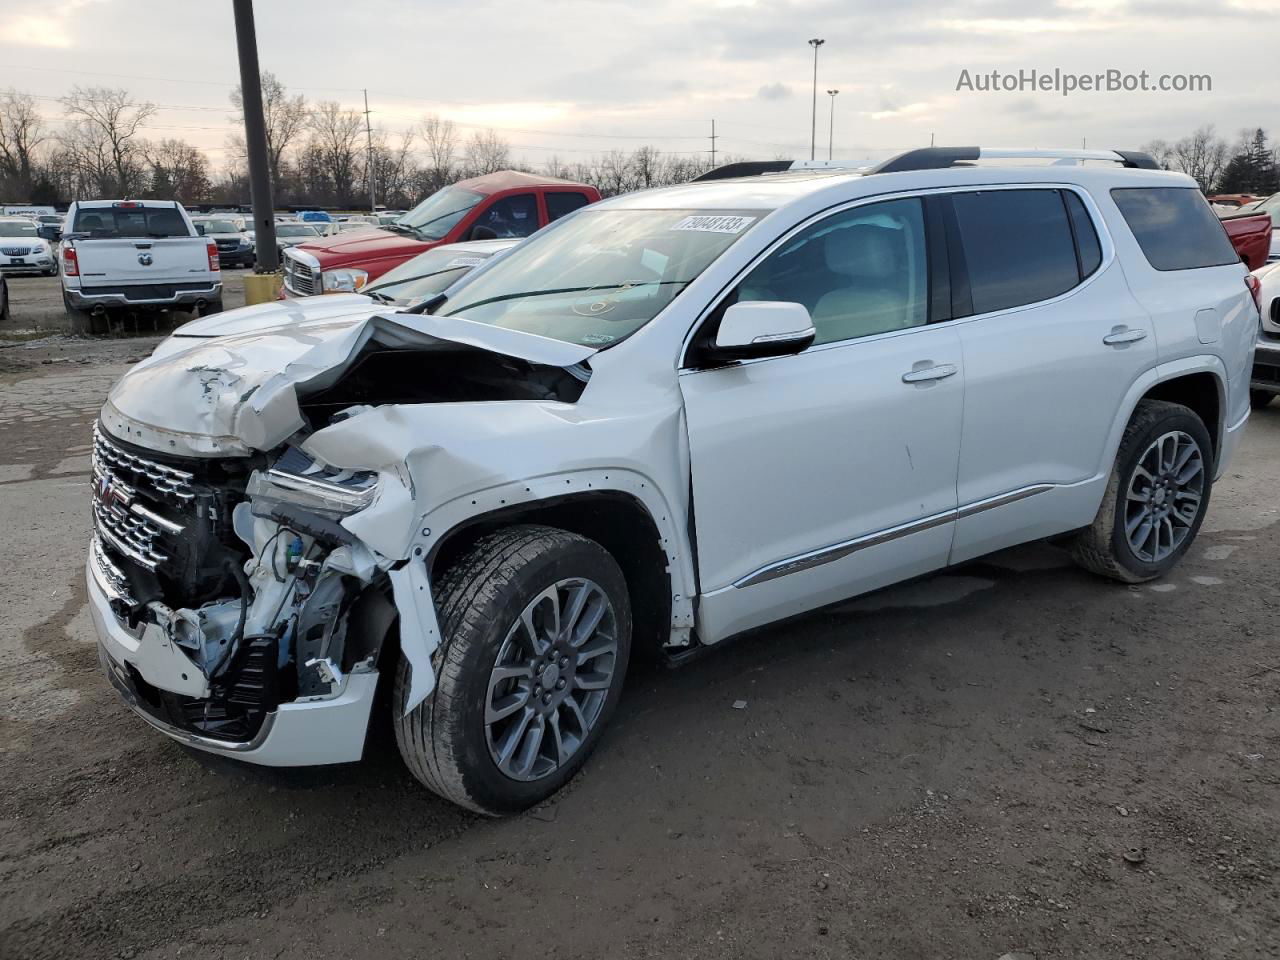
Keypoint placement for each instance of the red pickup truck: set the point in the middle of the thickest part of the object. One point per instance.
(1251, 236)
(503, 204)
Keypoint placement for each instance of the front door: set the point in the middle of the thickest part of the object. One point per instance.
(831, 472)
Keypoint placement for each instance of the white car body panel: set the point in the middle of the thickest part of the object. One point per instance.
(803, 479)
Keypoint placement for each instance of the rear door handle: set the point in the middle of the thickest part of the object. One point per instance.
(1126, 335)
(939, 372)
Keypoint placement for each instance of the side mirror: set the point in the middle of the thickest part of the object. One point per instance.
(763, 328)
(481, 232)
(200, 229)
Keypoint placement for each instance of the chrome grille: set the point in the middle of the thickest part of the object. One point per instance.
(122, 521)
(167, 481)
(109, 577)
(16, 251)
(298, 276)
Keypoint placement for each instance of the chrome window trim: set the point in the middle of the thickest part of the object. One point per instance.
(837, 551)
(1105, 241)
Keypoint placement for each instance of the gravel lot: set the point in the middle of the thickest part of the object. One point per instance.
(952, 768)
(36, 305)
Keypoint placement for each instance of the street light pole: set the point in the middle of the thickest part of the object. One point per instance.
(255, 139)
(831, 130)
(813, 125)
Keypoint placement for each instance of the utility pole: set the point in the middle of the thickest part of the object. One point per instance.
(368, 132)
(713, 144)
(931, 141)
(831, 129)
(813, 125)
(255, 139)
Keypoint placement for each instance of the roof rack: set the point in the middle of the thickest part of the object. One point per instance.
(934, 158)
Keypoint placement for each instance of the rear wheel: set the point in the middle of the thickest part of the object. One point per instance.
(1156, 497)
(536, 624)
(1260, 398)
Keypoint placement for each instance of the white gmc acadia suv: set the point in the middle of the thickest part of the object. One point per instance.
(663, 420)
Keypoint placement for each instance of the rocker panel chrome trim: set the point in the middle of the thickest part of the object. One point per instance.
(837, 551)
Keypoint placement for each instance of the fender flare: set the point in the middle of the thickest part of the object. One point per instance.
(420, 634)
(1152, 377)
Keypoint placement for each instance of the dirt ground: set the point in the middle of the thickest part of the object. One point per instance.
(954, 768)
(36, 307)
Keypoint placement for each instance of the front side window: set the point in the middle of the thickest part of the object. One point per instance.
(1175, 227)
(1018, 247)
(601, 275)
(511, 216)
(858, 272)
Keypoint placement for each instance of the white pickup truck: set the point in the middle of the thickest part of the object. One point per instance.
(137, 255)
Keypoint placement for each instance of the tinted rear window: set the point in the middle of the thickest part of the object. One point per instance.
(1017, 245)
(1175, 227)
(558, 204)
(108, 222)
(1087, 246)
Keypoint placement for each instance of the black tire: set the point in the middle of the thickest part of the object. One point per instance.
(1260, 398)
(213, 306)
(1102, 547)
(443, 740)
(5, 314)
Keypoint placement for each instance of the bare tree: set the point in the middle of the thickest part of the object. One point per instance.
(333, 149)
(285, 118)
(393, 169)
(1161, 151)
(486, 153)
(21, 133)
(178, 171)
(1202, 156)
(103, 124)
(440, 137)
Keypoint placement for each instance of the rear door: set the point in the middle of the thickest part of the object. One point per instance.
(1053, 340)
(133, 243)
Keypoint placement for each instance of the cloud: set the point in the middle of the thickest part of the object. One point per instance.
(774, 91)
(35, 30)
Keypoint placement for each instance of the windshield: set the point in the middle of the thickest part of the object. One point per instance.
(17, 228)
(1270, 205)
(295, 230)
(137, 221)
(435, 216)
(425, 275)
(219, 226)
(602, 275)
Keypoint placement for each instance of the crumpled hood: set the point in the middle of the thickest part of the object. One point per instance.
(232, 395)
(264, 316)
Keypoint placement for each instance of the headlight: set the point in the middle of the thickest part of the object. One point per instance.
(298, 479)
(343, 281)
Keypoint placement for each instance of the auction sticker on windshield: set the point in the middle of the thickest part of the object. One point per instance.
(706, 224)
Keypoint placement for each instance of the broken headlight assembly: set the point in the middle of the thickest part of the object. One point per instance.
(299, 480)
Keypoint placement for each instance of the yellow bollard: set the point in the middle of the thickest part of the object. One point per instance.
(261, 287)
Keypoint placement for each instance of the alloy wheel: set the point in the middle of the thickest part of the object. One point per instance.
(1166, 489)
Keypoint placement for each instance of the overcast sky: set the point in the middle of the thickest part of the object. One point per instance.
(574, 78)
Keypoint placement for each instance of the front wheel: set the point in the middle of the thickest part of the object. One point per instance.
(536, 626)
(1156, 497)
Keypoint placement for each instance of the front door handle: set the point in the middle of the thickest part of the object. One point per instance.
(1121, 335)
(939, 372)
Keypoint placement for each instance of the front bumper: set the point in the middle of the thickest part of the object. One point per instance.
(304, 732)
(31, 264)
(1266, 364)
(149, 295)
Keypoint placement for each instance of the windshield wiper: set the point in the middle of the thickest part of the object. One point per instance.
(543, 293)
(380, 296)
(428, 305)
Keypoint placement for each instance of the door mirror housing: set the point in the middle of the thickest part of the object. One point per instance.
(763, 328)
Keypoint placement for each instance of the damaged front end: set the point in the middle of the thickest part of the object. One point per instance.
(244, 590)
(228, 596)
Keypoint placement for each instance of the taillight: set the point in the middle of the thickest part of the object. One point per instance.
(70, 263)
(213, 256)
(1255, 288)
